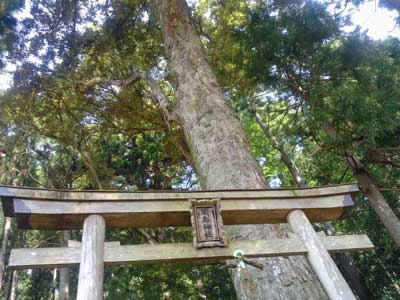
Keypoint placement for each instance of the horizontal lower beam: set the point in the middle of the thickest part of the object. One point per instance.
(51, 215)
(181, 252)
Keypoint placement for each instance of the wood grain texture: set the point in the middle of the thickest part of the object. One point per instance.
(56, 215)
(68, 195)
(77, 244)
(213, 211)
(91, 268)
(317, 254)
(182, 252)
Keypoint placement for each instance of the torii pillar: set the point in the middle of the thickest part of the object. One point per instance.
(91, 267)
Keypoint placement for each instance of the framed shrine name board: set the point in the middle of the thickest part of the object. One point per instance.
(207, 223)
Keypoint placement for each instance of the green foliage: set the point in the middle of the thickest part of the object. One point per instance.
(287, 60)
(171, 281)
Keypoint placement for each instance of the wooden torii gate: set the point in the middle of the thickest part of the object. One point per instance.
(94, 210)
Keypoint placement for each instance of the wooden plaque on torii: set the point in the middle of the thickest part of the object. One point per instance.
(207, 224)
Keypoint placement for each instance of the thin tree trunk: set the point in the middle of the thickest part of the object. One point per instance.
(63, 293)
(364, 179)
(87, 158)
(8, 286)
(371, 190)
(63, 289)
(53, 287)
(344, 261)
(14, 286)
(6, 234)
(14, 274)
(294, 171)
(221, 154)
(379, 203)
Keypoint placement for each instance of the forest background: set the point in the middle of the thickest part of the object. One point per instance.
(93, 106)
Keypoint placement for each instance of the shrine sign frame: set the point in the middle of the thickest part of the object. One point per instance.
(94, 210)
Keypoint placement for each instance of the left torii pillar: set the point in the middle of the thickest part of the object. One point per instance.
(91, 268)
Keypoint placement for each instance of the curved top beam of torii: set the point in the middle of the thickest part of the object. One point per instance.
(96, 195)
(60, 209)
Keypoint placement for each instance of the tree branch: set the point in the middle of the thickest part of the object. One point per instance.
(152, 90)
(112, 81)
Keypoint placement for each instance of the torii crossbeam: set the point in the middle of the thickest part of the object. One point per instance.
(94, 210)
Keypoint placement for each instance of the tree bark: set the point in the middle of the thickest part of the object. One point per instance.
(221, 154)
(344, 261)
(6, 234)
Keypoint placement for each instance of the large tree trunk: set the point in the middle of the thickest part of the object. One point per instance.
(221, 154)
(344, 261)
(6, 234)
